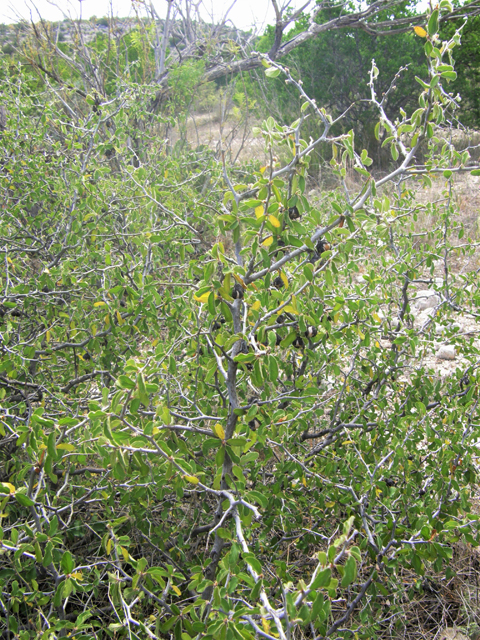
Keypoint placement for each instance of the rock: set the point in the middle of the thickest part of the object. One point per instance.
(441, 328)
(446, 352)
(452, 633)
(426, 299)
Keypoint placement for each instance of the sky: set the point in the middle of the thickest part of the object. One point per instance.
(244, 13)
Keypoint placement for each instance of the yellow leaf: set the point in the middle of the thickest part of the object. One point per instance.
(107, 320)
(109, 546)
(94, 329)
(176, 589)
(265, 625)
(329, 504)
(124, 554)
(267, 242)
(203, 298)
(420, 31)
(191, 479)
(119, 318)
(155, 431)
(239, 280)
(154, 342)
(378, 492)
(8, 486)
(256, 305)
(65, 446)
(284, 279)
(48, 336)
(304, 482)
(77, 575)
(274, 221)
(376, 317)
(259, 211)
(289, 309)
(262, 170)
(348, 442)
(101, 303)
(219, 431)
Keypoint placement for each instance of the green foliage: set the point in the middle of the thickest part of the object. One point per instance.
(183, 82)
(334, 70)
(467, 82)
(217, 418)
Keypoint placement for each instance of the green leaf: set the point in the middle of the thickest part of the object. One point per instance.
(259, 497)
(211, 304)
(432, 27)
(350, 571)
(273, 368)
(253, 562)
(322, 579)
(24, 500)
(67, 563)
(271, 72)
(234, 555)
(47, 555)
(124, 382)
(417, 565)
(142, 391)
(317, 607)
(308, 271)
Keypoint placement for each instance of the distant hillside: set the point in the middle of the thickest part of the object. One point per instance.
(11, 35)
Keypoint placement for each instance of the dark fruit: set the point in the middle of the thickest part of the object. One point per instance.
(311, 332)
(254, 424)
(294, 213)
(237, 292)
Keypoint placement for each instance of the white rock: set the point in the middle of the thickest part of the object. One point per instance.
(446, 352)
(451, 633)
(426, 299)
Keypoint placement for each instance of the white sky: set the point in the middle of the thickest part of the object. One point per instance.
(244, 14)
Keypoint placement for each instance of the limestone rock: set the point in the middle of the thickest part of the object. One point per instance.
(446, 352)
(452, 633)
(426, 299)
